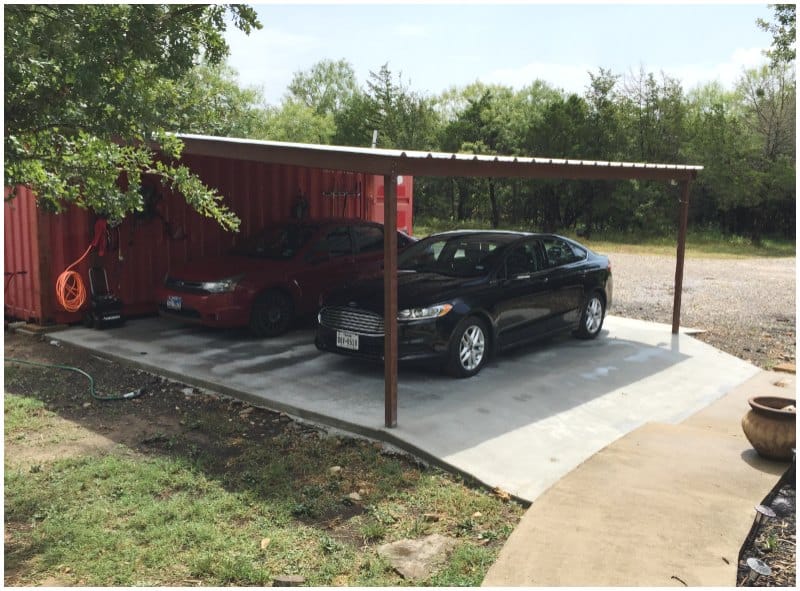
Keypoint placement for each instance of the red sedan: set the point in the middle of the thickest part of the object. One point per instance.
(275, 276)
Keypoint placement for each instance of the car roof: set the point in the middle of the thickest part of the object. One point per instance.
(499, 233)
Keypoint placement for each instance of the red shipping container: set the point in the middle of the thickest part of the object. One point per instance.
(39, 245)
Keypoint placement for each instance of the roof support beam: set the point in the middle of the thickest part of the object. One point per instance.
(390, 298)
(682, 225)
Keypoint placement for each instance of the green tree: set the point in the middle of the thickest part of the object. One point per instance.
(208, 100)
(296, 122)
(326, 87)
(404, 119)
(87, 89)
(769, 97)
(783, 31)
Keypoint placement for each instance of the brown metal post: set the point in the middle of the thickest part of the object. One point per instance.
(390, 297)
(682, 224)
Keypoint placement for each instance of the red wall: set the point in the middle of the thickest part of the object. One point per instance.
(143, 248)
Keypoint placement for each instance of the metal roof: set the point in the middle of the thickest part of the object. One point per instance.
(417, 163)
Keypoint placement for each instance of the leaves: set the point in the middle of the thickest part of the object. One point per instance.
(87, 87)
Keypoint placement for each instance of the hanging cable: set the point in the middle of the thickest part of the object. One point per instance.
(127, 396)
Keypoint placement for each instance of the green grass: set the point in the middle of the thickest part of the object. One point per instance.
(699, 243)
(188, 515)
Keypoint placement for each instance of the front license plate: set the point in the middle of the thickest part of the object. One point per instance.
(347, 340)
(174, 302)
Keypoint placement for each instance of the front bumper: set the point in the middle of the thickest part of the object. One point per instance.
(418, 340)
(222, 310)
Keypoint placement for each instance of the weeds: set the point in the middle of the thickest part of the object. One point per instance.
(174, 511)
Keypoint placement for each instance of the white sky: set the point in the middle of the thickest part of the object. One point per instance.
(436, 46)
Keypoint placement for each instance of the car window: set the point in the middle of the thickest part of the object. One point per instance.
(560, 252)
(369, 238)
(335, 243)
(523, 260)
(460, 256)
(277, 242)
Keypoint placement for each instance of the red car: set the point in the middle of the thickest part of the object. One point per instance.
(276, 275)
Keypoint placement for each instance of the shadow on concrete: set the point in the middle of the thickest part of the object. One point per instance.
(531, 415)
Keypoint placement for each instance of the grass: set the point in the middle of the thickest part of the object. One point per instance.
(237, 511)
(699, 243)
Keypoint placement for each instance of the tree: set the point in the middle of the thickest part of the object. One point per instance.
(88, 87)
(783, 32)
(295, 122)
(403, 118)
(325, 88)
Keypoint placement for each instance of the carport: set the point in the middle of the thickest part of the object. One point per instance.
(393, 163)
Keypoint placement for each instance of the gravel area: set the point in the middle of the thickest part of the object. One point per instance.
(746, 306)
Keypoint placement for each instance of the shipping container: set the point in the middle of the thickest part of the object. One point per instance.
(40, 245)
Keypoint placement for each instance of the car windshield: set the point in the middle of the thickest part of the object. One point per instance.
(277, 242)
(469, 255)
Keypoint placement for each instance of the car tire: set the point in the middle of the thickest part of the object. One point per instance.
(272, 314)
(469, 348)
(592, 316)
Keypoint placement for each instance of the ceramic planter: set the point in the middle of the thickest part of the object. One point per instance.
(769, 426)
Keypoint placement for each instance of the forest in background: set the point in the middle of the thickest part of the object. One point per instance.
(66, 111)
(744, 137)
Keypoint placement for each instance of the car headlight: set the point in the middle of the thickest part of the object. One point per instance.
(424, 313)
(221, 286)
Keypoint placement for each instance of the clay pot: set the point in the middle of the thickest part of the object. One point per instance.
(769, 426)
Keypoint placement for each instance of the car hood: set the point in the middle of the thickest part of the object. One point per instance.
(413, 290)
(222, 267)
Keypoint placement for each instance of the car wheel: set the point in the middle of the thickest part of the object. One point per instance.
(272, 314)
(592, 317)
(469, 348)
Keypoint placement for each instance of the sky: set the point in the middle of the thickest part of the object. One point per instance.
(437, 46)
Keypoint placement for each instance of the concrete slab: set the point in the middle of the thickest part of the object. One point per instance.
(666, 505)
(530, 417)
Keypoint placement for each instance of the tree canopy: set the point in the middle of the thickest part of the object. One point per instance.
(89, 87)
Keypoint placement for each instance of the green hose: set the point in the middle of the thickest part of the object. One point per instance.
(127, 396)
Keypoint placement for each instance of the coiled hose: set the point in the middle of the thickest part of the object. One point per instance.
(70, 289)
(127, 396)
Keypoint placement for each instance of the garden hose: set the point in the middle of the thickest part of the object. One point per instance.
(127, 396)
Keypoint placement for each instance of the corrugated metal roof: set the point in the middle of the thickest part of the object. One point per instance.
(418, 163)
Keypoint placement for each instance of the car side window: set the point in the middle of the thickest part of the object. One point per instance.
(368, 238)
(560, 252)
(335, 243)
(523, 260)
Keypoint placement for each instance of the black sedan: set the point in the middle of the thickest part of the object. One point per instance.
(466, 294)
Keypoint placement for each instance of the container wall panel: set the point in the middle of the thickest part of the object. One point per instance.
(21, 257)
(141, 250)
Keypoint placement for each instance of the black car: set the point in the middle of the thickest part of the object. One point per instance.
(464, 295)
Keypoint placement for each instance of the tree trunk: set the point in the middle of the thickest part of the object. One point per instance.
(495, 206)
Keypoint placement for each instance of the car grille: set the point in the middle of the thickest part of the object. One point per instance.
(185, 286)
(352, 320)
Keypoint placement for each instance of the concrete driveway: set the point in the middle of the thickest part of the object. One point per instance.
(530, 417)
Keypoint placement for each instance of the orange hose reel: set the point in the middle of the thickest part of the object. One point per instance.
(70, 288)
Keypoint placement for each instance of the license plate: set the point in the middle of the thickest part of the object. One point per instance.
(347, 340)
(174, 302)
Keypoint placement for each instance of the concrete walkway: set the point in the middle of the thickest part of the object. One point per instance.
(527, 420)
(666, 505)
